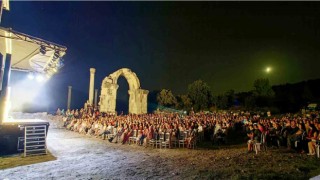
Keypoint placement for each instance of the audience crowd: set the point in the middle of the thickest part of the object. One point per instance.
(294, 132)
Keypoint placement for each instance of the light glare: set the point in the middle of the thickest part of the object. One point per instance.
(40, 78)
(7, 105)
(268, 69)
(30, 76)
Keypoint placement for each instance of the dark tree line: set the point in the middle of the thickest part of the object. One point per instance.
(263, 96)
(291, 97)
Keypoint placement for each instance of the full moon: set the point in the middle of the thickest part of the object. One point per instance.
(268, 69)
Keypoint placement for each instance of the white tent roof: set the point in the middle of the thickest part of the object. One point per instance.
(26, 51)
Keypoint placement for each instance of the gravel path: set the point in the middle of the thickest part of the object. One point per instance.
(85, 157)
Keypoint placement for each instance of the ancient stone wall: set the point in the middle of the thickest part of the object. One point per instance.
(138, 97)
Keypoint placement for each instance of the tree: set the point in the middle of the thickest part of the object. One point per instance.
(306, 95)
(262, 88)
(249, 102)
(222, 101)
(200, 95)
(231, 98)
(184, 102)
(152, 100)
(166, 98)
(263, 93)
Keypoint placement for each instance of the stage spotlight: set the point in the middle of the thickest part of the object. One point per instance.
(43, 50)
(40, 78)
(30, 76)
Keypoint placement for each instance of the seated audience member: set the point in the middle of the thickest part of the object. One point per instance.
(298, 136)
(291, 136)
(312, 143)
(140, 137)
(274, 134)
(191, 138)
(127, 136)
(149, 136)
(104, 131)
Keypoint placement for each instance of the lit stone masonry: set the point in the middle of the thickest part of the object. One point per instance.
(69, 96)
(138, 97)
(91, 87)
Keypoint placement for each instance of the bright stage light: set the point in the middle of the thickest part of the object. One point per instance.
(40, 78)
(26, 94)
(7, 105)
(30, 76)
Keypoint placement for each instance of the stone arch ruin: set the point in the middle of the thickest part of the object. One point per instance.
(137, 96)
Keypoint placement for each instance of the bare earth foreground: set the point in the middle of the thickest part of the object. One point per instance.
(84, 157)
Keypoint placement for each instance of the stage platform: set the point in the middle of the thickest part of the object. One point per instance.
(12, 134)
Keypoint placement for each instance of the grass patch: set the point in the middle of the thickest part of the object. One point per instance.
(18, 160)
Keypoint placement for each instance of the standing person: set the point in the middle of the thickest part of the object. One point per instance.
(250, 135)
(258, 130)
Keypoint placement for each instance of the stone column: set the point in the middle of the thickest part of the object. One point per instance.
(132, 102)
(138, 101)
(144, 102)
(69, 96)
(95, 98)
(113, 98)
(91, 87)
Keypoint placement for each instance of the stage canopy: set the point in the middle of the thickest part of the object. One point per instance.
(31, 53)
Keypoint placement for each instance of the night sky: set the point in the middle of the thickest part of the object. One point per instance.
(171, 44)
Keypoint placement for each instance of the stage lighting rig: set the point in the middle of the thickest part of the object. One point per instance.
(56, 55)
(55, 63)
(37, 55)
(43, 50)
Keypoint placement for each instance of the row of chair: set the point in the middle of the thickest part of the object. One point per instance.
(161, 140)
(257, 145)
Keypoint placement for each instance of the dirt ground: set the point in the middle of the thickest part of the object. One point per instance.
(84, 157)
